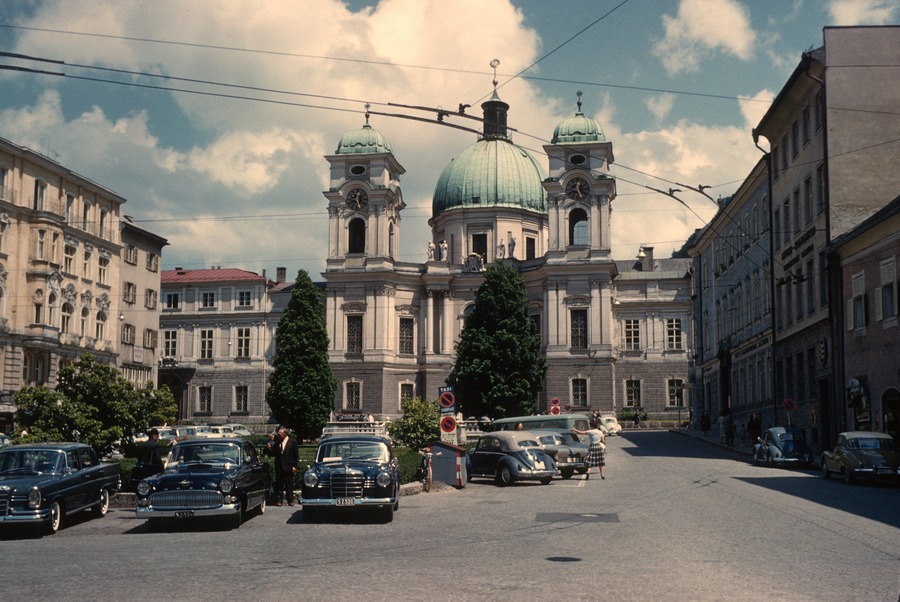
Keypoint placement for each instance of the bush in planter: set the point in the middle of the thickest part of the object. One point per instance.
(627, 415)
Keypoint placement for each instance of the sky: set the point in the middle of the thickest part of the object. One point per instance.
(212, 117)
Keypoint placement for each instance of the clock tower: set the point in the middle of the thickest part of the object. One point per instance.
(579, 189)
(364, 201)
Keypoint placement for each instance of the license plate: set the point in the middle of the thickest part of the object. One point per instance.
(571, 459)
(539, 464)
(185, 514)
(345, 501)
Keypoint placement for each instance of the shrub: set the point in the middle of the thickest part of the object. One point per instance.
(409, 460)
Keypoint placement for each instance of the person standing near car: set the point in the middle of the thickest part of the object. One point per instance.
(287, 456)
(596, 455)
(150, 455)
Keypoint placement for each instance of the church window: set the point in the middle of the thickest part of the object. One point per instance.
(352, 395)
(632, 393)
(579, 392)
(632, 335)
(479, 245)
(406, 336)
(530, 248)
(357, 232)
(354, 334)
(579, 329)
(578, 227)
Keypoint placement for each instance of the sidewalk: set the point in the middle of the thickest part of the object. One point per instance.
(744, 448)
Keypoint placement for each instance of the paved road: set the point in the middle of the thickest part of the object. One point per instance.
(676, 519)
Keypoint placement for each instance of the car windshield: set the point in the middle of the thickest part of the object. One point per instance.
(339, 451)
(871, 443)
(528, 443)
(219, 453)
(31, 461)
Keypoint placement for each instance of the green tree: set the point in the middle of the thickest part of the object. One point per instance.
(499, 367)
(419, 425)
(92, 403)
(301, 388)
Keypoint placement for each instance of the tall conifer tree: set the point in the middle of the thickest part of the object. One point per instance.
(302, 388)
(499, 367)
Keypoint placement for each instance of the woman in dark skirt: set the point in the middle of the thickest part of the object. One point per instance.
(596, 455)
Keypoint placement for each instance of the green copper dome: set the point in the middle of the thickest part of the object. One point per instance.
(493, 172)
(363, 141)
(577, 129)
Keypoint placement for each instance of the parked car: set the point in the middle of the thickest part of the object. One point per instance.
(350, 472)
(206, 478)
(510, 456)
(41, 484)
(239, 429)
(782, 446)
(612, 424)
(568, 459)
(863, 455)
(5, 440)
(221, 431)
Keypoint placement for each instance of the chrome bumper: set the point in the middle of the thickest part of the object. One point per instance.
(357, 501)
(223, 510)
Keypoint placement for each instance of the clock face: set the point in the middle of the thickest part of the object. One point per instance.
(578, 189)
(357, 198)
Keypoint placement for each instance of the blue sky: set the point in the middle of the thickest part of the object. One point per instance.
(676, 85)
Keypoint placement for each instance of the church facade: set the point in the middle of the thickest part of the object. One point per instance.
(616, 333)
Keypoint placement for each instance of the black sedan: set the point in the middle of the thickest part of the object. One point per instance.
(206, 478)
(568, 455)
(510, 456)
(352, 472)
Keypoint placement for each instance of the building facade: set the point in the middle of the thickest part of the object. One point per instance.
(867, 332)
(832, 156)
(732, 308)
(60, 271)
(615, 333)
(217, 337)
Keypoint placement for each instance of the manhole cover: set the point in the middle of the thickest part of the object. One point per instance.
(563, 559)
(576, 517)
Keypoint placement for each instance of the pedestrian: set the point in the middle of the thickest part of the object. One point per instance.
(705, 423)
(596, 455)
(729, 429)
(287, 456)
(637, 418)
(149, 454)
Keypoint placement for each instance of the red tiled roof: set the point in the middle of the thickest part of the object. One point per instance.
(218, 275)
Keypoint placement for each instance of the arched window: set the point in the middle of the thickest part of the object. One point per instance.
(391, 241)
(357, 232)
(51, 309)
(85, 314)
(578, 227)
(100, 326)
(66, 324)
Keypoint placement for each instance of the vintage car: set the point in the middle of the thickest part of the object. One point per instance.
(206, 478)
(566, 453)
(510, 456)
(863, 455)
(611, 424)
(239, 430)
(352, 471)
(782, 446)
(41, 484)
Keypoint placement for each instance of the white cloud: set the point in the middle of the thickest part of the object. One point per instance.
(701, 28)
(863, 12)
(754, 107)
(660, 106)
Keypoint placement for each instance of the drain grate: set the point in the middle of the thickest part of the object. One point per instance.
(576, 517)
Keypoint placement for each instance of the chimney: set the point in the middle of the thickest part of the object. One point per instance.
(647, 261)
(280, 274)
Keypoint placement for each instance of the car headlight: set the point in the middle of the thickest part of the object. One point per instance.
(310, 479)
(383, 479)
(226, 485)
(143, 488)
(34, 498)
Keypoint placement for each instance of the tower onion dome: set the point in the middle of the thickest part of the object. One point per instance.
(493, 172)
(363, 141)
(577, 129)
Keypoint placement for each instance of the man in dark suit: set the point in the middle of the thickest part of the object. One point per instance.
(149, 458)
(287, 456)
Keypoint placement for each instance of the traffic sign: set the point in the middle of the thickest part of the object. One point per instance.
(447, 399)
(789, 404)
(554, 401)
(554, 410)
(448, 424)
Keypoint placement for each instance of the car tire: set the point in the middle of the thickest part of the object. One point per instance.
(56, 517)
(397, 505)
(848, 476)
(825, 473)
(236, 520)
(769, 461)
(386, 514)
(546, 480)
(261, 509)
(567, 474)
(505, 476)
(102, 508)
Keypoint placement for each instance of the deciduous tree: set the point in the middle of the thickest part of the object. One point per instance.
(419, 425)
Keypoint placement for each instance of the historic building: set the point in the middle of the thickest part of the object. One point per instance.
(833, 134)
(61, 285)
(867, 331)
(615, 333)
(732, 308)
(217, 339)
